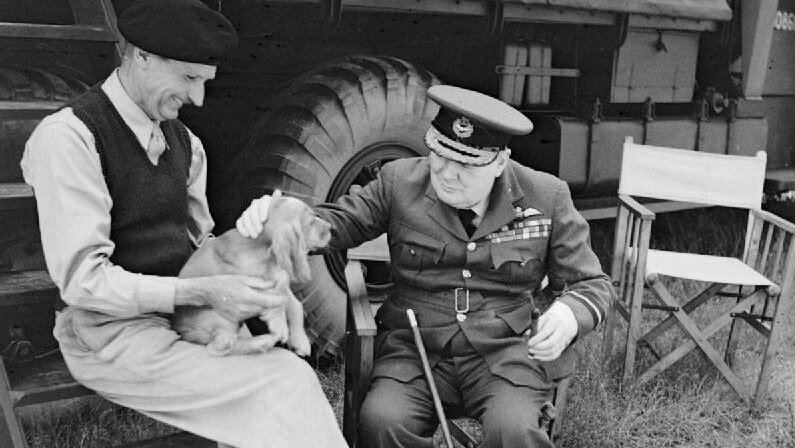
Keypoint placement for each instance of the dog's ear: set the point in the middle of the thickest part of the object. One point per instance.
(289, 249)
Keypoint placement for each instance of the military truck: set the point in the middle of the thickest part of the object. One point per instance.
(321, 93)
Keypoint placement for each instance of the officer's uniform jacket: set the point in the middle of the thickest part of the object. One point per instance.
(530, 229)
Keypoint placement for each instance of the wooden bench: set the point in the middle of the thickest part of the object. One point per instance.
(29, 378)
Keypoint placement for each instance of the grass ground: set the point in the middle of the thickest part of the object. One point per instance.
(688, 406)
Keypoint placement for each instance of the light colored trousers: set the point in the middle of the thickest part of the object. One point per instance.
(271, 400)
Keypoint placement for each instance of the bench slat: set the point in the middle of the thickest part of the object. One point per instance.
(23, 282)
(15, 190)
(16, 195)
(26, 287)
(43, 380)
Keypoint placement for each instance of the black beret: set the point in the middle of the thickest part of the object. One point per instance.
(185, 30)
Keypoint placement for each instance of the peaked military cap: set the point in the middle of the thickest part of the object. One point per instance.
(185, 30)
(472, 128)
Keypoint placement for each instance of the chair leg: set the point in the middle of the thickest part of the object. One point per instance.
(633, 332)
(688, 345)
(700, 337)
(734, 335)
(358, 368)
(561, 400)
(780, 310)
(11, 434)
(609, 333)
(694, 303)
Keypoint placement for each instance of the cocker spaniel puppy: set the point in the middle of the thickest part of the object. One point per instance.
(279, 253)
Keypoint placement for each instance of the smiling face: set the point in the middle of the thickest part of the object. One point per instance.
(463, 186)
(161, 86)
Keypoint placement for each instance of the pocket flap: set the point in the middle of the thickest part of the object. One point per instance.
(520, 251)
(518, 319)
(411, 243)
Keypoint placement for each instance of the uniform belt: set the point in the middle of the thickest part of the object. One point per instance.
(461, 300)
(439, 317)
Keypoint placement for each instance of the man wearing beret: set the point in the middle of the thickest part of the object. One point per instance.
(472, 234)
(120, 189)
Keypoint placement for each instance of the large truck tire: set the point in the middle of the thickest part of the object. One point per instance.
(330, 129)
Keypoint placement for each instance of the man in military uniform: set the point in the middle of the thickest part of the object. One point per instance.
(120, 188)
(470, 233)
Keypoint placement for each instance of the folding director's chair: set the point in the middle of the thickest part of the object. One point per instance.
(761, 282)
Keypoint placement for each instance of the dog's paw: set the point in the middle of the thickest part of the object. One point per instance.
(281, 337)
(301, 345)
(277, 325)
(221, 344)
(278, 330)
(262, 343)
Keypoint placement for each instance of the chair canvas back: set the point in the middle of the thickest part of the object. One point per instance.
(692, 176)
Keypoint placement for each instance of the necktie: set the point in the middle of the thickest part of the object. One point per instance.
(467, 216)
(157, 143)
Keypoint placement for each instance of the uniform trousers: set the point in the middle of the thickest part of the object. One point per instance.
(396, 414)
(272, 399)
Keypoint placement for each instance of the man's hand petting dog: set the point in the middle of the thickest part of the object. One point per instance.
(266, 263)
(252, 220)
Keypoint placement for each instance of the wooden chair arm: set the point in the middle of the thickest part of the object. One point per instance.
(363, 322)
(635, 207)
(359, 339)
(775, 220)
(631, 239)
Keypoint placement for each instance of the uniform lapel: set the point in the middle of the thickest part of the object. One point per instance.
(443, 214)
(505, 197)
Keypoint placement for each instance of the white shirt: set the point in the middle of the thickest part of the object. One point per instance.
(62, 165)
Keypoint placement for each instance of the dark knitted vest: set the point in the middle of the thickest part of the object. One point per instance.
(150, 202)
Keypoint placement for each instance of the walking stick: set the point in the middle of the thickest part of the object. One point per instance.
(548, 408)
(426, 367)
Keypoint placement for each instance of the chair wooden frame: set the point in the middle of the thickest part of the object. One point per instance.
(359, 339)
(769, 249)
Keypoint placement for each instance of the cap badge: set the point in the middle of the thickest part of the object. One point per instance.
(462, 127)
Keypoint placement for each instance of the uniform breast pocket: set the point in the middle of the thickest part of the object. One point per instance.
(416, 250)
(522, 260)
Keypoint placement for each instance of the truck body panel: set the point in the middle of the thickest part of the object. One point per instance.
(320, 93)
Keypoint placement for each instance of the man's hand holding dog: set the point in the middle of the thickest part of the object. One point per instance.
(236, 297)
